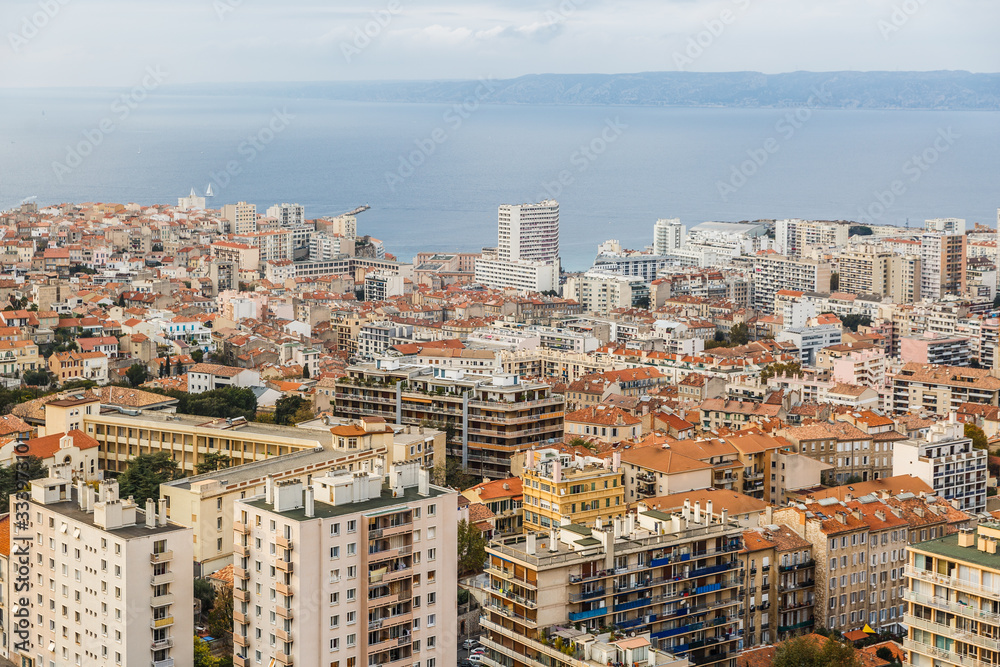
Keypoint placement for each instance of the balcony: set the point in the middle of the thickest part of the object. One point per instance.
(160, 579)
(584, 615)
(283, 612)
(241, 595)
(241, 550)
(797, 566)
(948, 656)
(241, 661)
(946, 605)
(283, 658)
(509, 575)
(164, 622)
(241, 640)
(374, 603)
(239, 616)
(283, 542)
(283, 635)
(240, 573)
(952, 632)
(166, 662)
(161, 557)
(241, 528)
(587, 595)
(283, 589)
(160, 644)
(283, 566)
(798, 626)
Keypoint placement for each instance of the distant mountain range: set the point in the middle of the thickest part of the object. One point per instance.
(953, 90)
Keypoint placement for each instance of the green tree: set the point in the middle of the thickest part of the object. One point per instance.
(450, 474)
(37, 378)
(642, 302)
(220, 619)
(144, 474)
(853, 321)
(205, 592)
(136, 374)
(203, 654)
(30, 468)
(834, 281)
(224, 402)
(213, 461)
(471, 548)
(809, 652)
(979, 440)
(793, 369)
(739, 334)
(305, 370)
(197, 355)
(287, 407)
(179, 368)
(859, 230)
(719, 337)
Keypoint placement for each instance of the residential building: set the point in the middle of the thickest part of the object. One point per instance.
(811, 339)
(946, 225)
(288, 215)
(668, 234)
(772, 273)
(675, 576)
(119, 577)
(523, 275)
(560, 487)
(241, 218)
(793, 237)
(952, 599)
(601, 292)
(528, 232)
(942, 389)
(602, 424)
(206, 377)
(652, 471)
(376, 561)
(868, 270)
(943, 265)
(947, 461)
(504, 499)
(935, 349)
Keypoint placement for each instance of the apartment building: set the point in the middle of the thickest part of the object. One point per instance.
(794, 237)
(110, 584)
(773, 273)
(522, 275)
(240, 218)
(852, 452)
(809, 340)
(942, 265)
(935, 349)
(676, 576)
(206, 377)
(287, 215)
(780, 585)
(528, 231)
(561, 487)
(601, 292)
(604, 424)
(504, 498)
(346, 572)
(868, 270)
(243, 256)
(946, 460)
(18, 356)
(487, 418)
(668, 234)
(942, 389)
(953, 599)
(205, 502)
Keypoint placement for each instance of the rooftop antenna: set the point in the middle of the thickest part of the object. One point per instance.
(907, 223)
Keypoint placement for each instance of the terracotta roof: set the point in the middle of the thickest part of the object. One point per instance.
(495, 489)
(604, 416)
(735, 503)
(12, 424)
(662, 460)
(46, 447)
(5, 535)
(225, 575)
(480, 512)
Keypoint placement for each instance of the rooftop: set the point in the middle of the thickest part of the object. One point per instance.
(327, 511)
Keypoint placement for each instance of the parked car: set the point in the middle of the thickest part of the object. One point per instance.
(470, 643)
(478, 651)
(477, 657)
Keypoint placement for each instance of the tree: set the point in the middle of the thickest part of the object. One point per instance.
(213, 461)
(220, 619)
(226, 402)
(197, 355)
(834, 281)
(287, 407)
(471, 548)
(305, 370)
(853, 321)
(792, 369)
(37, 378)
(144, 474)
(739, 334)
(996, 302)
(719, 337)
(26, 468)
(450, 474)
(179, 368)
(136, 374)
(203, 654)
(859, 230)
(809, 652)
(979, 440)
(205, 592)
(642, 302)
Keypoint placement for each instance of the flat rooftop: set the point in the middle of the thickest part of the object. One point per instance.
(256, 428)
(71, 510)
(327, 511)
(271, 466)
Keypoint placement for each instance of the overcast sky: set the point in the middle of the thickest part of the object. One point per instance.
(110, 42)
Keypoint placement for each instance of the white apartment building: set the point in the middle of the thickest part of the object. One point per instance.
(947, 461)
(942, 265)
(325, 246)
(240, 218)
(206, 377)
(523, 275)
(773, 273)
(380, 285)
(528, 232)
(945, 225)
(811, 339)
(376, 337)
(109, 584)
(668, 235)
(288, 214)
(600, 292)
(276, 244)
(793, 237)
(342, 572)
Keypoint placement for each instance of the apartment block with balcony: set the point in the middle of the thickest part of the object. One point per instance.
(942, 389)
(946, 460)
(953, 600)
(344, 570)
(675, 576)
(561, 487)
(111, 584)
(488, 418)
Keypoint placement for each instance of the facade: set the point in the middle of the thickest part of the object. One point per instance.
(601, 292)
(120, 578)
(935, 349)
(288, 215)
(942, 389)
(943, 265)
(867, 270)
(668, 234)
(810, 340)
(561, 487)
(528, 232)
(947, 461)
(241, 217)
(793, 237)
(773, 273)
(375, 561)
(675, 576)
(523, 275)
(953, 596)
(207, 377)
(488, 418)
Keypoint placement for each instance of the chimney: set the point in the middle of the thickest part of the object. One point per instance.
(616, 461)
(269, 490)
(162, 514)
(769, 516)
(617, 530)
(725, 516)
(397, 483)
(848, 497)
(150, 513)
(675, 524)
(842, 517)
(557, 471)
(81, 495)
(966, 537)
(424, 482)
(553, 543)
(529, 459)
(697, 511)
(597, 523)
(529, 544)
(310, 501)
(709, 514)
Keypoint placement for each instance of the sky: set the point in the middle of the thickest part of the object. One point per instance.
(115, 42)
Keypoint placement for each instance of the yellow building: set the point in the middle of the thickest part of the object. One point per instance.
(18, 356)
(953, 600)
(559, 486)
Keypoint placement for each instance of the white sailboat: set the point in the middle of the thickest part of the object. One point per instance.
(208, 192)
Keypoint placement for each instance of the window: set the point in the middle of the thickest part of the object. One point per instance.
(352, 526)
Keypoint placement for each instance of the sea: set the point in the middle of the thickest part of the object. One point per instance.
(434, 174)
